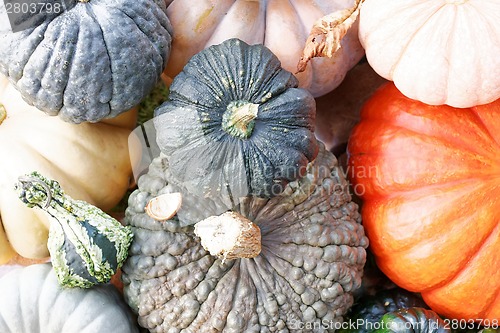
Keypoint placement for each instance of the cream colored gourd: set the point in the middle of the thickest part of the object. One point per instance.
(90, 161)
(281, 25)
(435, 51)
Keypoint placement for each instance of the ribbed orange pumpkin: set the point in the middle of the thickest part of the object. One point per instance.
(430, 180)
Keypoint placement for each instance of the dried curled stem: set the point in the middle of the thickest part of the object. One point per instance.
(327, 33)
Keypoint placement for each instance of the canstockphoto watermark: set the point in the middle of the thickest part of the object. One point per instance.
(26, 14)
(359, 324)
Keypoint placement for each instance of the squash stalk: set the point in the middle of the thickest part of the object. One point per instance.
(229, 236)
(3, 113)
(238, 119)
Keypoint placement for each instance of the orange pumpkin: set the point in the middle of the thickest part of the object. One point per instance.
(429, 177)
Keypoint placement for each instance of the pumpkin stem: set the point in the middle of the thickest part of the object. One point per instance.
(229, 236)
(238, 119)
(32, 194)
(3, 113)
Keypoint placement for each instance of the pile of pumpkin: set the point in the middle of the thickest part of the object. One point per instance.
(252, 216)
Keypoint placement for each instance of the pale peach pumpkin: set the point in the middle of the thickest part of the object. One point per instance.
(435, 51)
(281, 25)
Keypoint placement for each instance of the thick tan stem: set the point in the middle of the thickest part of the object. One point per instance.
(229, 236)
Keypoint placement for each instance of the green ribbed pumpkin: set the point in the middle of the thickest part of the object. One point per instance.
(236, 123)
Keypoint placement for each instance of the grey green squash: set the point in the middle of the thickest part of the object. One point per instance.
(235, 123)
(86, 245)
(93, 60)
(33, 302)
(311, 259)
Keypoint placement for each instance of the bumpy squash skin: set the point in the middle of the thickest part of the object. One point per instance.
(281, 25)
(191, 124)
(431, 199)
(95, 60)
(33, 302)
(313, 252)
(91, 162)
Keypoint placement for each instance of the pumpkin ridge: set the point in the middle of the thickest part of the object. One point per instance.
(45, 287)
(68, 59)
(487, 304)
(486, 129)
(486, 171)
(23, 61)
(449, 215)
(221, 280)
(490, 27)
(444, 140)
(304, 33)
(449, 46)
(265, 284)
(474, 252)
(205, 44)
(111, 63)
(410, 39)
(495, 300)
(414, 188)
(149, 38)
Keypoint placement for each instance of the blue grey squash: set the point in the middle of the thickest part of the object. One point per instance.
(93, 60)
(235, 123)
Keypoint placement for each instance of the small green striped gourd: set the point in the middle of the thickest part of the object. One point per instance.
(86, 245)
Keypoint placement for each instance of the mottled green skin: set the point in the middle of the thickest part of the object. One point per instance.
(312, 258)
(415, 320)
(368, 310)
(213, 160)
(95, 60)
(86, 245)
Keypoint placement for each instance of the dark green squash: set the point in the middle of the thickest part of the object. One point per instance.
(92, 60)
(415, 320)
(236, 124)
(369, 309)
